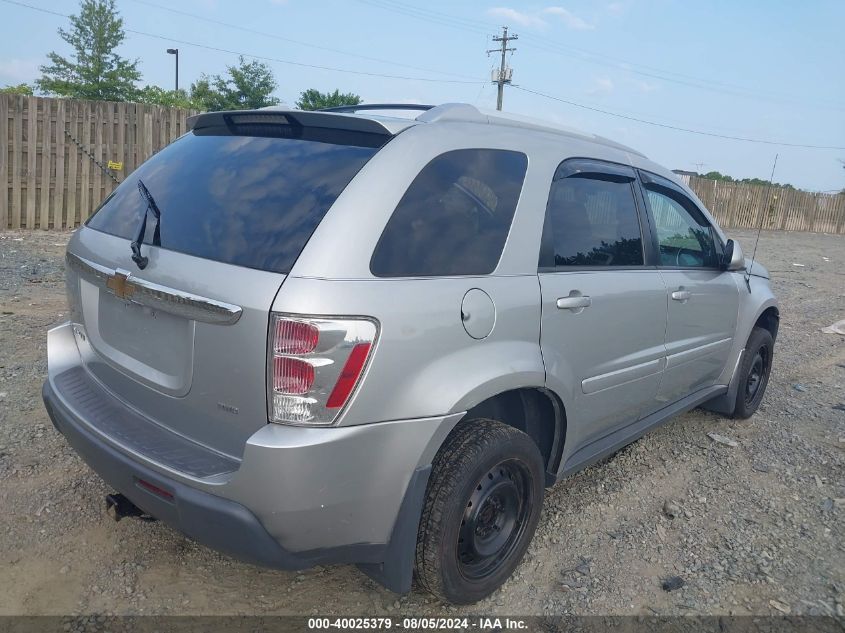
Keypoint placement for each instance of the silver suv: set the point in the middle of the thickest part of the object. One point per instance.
(341, 337)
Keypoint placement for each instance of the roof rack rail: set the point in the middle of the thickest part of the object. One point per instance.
(377, 106)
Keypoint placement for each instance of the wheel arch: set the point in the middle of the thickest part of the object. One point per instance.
(769, 319)
(537, 412)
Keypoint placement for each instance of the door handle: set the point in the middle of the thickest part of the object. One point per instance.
(681, 295)
(575, 302)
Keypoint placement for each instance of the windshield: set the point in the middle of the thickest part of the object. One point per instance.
(245, 200)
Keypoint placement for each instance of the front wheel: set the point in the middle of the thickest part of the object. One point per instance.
(754, 372)
(482, 506)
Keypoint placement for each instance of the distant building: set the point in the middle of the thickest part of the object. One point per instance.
(684, 174)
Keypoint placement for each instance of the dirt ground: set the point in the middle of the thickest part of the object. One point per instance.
(758, 527)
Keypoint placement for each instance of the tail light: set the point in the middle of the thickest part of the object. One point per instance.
(315, 365)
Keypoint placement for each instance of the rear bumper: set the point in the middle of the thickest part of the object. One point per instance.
(299, 497)
(219, 523)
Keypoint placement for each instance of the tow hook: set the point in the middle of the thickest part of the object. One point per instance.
(119, 507)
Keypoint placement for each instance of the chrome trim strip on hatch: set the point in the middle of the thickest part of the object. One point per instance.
(123, 285)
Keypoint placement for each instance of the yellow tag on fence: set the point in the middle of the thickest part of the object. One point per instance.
(115, 166)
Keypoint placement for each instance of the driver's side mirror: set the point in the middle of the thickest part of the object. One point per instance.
(733, 259)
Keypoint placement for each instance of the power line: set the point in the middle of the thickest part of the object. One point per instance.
(673, 127)
(261, 57)
(293, 41)
(624, 65)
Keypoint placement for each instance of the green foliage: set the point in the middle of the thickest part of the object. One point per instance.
(715, 175)
(171, 98)
(248, 85)
(94, 71)
(20, 89)
(313, 99)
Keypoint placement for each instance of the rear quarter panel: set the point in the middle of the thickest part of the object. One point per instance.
(424, 363)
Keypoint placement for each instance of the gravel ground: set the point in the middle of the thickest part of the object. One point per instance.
(755, 528)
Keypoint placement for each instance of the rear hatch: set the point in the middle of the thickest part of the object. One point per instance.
(226, 210)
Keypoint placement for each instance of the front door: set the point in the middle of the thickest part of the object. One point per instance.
(703, 299)
(604, 311)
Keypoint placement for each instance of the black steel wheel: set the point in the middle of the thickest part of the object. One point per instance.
(483, 502)
(754, 371)
(494, 519)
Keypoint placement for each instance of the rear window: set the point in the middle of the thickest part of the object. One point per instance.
(248, 200)
(454, 218)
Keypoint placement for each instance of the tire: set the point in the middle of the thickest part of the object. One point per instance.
(482, 505)
(754, 374)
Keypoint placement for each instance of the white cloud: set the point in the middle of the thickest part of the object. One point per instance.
(19, 70)
(571, 20)
(601, 86)
(537, 20)
(616, 9)
(517, 17)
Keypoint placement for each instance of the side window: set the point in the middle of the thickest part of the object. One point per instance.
(592, 220)
(454, 218)
(684, 236)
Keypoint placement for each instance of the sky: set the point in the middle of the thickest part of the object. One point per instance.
(766, 70)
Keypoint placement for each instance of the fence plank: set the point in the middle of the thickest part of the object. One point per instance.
(17, 163)
(120, 151)
(47, 177)
(31, 160)
(96, 148)
(59, 186)
(4, 162)
(85, 162)
(72, 166)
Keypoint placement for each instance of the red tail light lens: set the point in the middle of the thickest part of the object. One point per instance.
(295, 337)
(292, 376)
(315, 365)
(349, 376)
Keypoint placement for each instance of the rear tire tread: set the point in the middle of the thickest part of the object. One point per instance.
(459, 455)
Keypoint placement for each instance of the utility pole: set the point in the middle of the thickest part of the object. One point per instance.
(700, 166)
(504, 74)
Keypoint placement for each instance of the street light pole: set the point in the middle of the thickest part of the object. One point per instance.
(175, 51)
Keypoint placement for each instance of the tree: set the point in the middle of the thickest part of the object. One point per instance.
(313, 99)
(95, 70)
(249, 85)
(20, 89)
(171, 98)
(715, 175)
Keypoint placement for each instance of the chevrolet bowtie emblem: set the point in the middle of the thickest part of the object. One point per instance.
(120, 285)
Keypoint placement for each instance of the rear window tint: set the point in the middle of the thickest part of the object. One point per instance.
(245, 200)
(454, 218)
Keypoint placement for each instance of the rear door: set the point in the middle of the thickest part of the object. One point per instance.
(183, 339)
(703, 299)
(604, 309)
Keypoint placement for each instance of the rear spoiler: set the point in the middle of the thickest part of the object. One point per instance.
(311, 119)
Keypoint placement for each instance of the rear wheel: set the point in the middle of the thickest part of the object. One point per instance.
(482, 506)
(754, 372)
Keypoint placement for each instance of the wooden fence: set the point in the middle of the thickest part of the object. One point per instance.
(743, 206)
(47, 181)
(49, 178)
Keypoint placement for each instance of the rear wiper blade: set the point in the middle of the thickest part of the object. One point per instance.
(139, 260)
